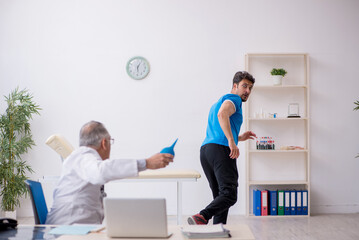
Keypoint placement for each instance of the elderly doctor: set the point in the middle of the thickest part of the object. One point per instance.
(79, 193)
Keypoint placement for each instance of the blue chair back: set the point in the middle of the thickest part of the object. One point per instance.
(38, 201)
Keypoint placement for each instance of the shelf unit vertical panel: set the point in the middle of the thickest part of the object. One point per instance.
(307, 60)
(247, 143)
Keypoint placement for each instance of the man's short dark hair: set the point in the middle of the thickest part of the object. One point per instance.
(239, 76)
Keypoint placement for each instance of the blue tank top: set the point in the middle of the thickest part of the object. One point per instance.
(214, 133)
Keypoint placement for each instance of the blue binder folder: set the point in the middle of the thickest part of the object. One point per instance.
(256, 202)
(305, 202)
(273, 202)
(299, 203)
(293, 202)
(286, 203)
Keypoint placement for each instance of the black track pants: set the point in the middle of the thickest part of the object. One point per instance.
(222, 174)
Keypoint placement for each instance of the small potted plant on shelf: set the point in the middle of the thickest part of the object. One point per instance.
(15, 140)
(278, 74)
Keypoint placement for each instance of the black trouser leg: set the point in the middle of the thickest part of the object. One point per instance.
(221, 218)
(222, 175)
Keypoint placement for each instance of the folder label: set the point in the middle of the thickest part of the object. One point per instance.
(280, 199)
(299, 199)
(264, 200)
(287, 198)
(292, 198)
(293, 203)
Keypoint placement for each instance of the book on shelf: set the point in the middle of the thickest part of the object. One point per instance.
(264, 203)
(286, 202)
(273, 203)
(257, 202)
(280, 202)
(299, 202)
(205, 231)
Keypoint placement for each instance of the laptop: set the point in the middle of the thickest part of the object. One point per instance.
(136, 217)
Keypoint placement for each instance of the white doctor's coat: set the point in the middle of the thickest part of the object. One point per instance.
(78, 197)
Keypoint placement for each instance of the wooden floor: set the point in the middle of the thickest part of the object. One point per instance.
(318, 227)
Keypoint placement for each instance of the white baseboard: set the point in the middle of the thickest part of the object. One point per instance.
(344, 208)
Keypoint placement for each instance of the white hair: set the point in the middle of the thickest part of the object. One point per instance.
(92, 133)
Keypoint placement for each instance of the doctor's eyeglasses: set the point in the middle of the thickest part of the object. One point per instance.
(112, 140)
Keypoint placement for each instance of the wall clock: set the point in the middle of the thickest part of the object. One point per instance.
(138, 68)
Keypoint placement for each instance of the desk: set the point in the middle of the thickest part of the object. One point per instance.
(178, 176)
(238, 232)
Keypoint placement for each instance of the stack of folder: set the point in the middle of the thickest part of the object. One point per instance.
(281, 202)
(205, 231)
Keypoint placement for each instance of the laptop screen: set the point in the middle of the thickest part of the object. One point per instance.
(136, 217)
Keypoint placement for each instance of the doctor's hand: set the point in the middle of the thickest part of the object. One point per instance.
(159, 160)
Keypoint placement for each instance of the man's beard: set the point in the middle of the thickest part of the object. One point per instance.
(244, 99)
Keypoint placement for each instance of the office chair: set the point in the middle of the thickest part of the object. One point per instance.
(38, 201)
(60, 145)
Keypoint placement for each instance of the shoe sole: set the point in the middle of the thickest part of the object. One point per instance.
(191, 221)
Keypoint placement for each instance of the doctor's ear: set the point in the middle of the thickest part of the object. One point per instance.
(104, 143)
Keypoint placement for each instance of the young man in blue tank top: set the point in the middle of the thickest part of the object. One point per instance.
(219, 151)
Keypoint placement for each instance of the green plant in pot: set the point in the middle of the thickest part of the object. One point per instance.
(356, 109)
(15, 140)
(278, 74)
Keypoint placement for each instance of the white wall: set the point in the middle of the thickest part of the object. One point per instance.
(72, 54)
